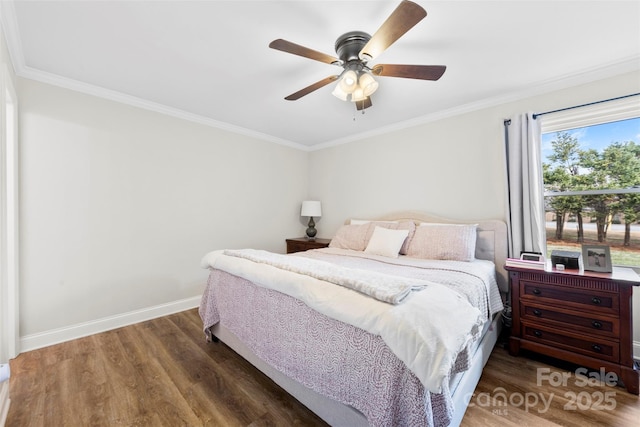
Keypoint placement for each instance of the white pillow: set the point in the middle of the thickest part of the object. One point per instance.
(386, 242)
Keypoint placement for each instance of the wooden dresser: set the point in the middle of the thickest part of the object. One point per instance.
(303, 244)
(581, 317)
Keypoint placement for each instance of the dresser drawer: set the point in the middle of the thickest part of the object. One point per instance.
(584, 322)
(581, 299)
(582, 317)
(597, 347)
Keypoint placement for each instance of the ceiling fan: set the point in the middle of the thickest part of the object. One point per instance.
(355, 49)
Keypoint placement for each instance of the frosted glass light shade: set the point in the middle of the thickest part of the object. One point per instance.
(368, 84)
(358, 95)
(349, 81)
(339, 93)
(311, 208)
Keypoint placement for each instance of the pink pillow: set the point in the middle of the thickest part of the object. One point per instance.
(354, 237)
(455, 242)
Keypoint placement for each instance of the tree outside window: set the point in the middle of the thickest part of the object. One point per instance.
(592, 189)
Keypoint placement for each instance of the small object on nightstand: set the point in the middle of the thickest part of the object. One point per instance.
(301, 244)
(570, 259)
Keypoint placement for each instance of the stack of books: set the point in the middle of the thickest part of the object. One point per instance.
(521, 263)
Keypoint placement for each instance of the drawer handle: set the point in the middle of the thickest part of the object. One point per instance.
(597, 348)
(537, 292)
(537, 333)
(596, 300)
(596, 324)
(537, 312)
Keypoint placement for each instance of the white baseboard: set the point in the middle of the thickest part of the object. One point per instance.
(636, 350)
(4, 402)
(68, 333)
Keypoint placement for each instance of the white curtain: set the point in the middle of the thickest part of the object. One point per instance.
(525, 199)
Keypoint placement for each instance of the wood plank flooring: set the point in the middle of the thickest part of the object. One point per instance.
(163, 373)
(540, 391)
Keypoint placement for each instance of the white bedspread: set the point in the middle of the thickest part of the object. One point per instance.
(426, 330)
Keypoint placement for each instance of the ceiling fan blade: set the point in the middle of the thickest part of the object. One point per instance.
(365, 103)
(307, 90)
(422, 72)
(401, 20)
(305, 52)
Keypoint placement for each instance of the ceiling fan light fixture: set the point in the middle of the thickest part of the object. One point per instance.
(358, 95)
(339, 93)
(349, 81)
(368, 84)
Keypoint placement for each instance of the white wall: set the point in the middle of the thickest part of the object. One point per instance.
(452, 167)
(120, 204)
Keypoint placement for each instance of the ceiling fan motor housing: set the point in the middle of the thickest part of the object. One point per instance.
(349, 45)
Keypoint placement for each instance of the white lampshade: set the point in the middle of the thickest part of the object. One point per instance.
(311, 208)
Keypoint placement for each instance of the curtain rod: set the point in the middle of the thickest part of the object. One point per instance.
(535, 116)
(507, 122)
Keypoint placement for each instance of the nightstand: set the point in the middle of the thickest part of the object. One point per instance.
(581, 317)
(301, 244)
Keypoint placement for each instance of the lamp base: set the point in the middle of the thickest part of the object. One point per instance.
(311, 230)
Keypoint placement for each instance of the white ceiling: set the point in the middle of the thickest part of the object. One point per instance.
(209, 61)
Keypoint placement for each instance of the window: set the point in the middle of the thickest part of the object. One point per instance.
(591, 169)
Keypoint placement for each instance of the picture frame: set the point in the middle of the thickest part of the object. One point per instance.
(597, 258)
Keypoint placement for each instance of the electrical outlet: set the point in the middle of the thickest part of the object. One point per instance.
(5, 372)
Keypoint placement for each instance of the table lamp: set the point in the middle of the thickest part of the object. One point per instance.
(311, 208)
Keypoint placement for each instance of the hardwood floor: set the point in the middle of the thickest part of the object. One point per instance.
(156, 373)
(163, 373)
(540, 391)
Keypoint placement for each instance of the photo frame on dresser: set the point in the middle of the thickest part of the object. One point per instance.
(597, 258)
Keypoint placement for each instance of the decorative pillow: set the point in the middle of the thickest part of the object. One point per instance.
(396, 225)
(455, 242)
(386, 242)
(354, 237)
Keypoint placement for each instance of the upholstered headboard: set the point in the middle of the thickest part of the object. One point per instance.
(491, 242)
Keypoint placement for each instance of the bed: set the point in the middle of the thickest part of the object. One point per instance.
(390, 325)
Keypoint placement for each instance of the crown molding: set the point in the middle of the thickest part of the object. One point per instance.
(613, 69)
(75, 85)
(9, 23)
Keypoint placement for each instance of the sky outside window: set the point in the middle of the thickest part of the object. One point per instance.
(597, 137)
